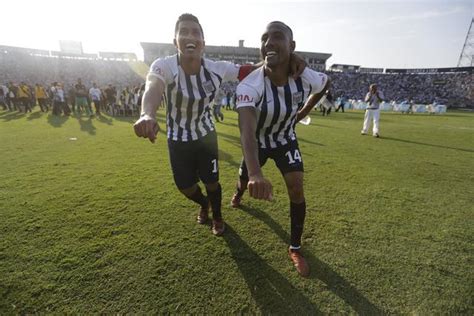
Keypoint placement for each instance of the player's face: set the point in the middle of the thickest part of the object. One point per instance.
(276, 45)
(189, 39)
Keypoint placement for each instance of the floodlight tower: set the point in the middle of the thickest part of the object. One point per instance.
(466, 59)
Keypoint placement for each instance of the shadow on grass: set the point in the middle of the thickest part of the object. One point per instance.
(231, 118)
(223, 156)
(86, 125)
(272, 293)
(303, 140)
(129, 119)
(104, 119)
(35, 115)
(425, 144)
(234, 140)
(322, 271)
(229, 124)
(57, 121)
(8, 116)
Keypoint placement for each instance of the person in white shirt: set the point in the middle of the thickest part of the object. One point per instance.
(95, 95)
(373, 98)
(59, 100)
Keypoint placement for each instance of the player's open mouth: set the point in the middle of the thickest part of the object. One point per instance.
(271, 54)
(190, 46)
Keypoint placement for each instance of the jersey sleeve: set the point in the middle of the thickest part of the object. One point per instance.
(246, 95)
(317, 79)
(160, 69)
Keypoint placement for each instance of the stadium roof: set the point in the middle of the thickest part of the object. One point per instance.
(235, 50)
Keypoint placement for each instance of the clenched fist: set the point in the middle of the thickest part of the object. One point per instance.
(260, 188)
(146, 127)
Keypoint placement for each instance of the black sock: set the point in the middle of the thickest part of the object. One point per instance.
(199, 198)
(215, 197)
(238, 190)
(297, 214)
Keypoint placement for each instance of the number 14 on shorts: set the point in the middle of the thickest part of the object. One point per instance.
(292, 158)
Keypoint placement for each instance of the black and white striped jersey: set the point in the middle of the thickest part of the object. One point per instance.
(188, 97)
(277, 106)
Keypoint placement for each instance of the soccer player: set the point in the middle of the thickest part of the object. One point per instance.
(190, 83)
(269, 103)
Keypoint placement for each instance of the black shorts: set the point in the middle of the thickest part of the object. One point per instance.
(287, 159)
(194, 160)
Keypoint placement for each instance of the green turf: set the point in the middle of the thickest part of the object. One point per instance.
(95, 225)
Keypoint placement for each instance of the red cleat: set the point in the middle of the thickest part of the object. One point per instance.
(299, 262)
(218, 227)
(236, 200)
(203, 215)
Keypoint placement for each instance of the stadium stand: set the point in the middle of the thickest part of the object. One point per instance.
(36, 66)
(452, 87)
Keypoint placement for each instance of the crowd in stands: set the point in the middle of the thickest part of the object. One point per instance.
(450, 89)
(17, 67)
(27, 80)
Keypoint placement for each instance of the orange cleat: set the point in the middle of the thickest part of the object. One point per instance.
(218, 227)
(299, 262)
(203, 215)
(236, 200)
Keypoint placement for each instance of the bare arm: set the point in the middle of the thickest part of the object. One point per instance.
(248, 127)
(152, 96)
(146, 126)
(259, 187)
(311, 102)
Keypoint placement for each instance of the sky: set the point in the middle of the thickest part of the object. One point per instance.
(369, 33)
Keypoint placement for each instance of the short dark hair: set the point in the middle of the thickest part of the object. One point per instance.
(187, 17)
(285, 26)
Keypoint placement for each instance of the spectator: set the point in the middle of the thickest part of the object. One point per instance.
(24, 96)
(95, 96)
(81, 98)
(41, 97)
(374, 97)
(59, 100)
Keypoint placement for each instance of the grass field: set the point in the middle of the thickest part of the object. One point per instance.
(95, 225)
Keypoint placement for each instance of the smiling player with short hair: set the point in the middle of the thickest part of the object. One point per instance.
(270, 102)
